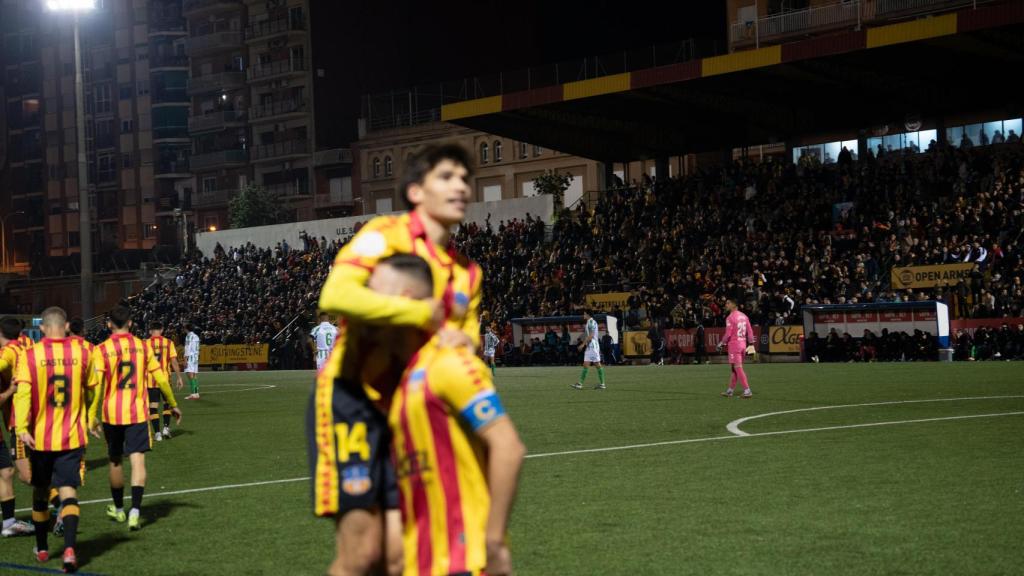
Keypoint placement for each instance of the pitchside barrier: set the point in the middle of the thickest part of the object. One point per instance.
(238, 356)
(930, 316)
(530, 328)
(683, 341)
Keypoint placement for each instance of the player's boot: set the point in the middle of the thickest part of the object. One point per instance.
(19, 528)
(116, 515)
(748, 394)
(41, 555)
(167, 432)
(600, 387)
(158, 437)
(727, 394)
(70, 561)
(134, 522)
(576, 386)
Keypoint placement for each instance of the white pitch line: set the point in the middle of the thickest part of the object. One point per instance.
(734, 426)
(594, 450)
(194, 490)
(261, 387)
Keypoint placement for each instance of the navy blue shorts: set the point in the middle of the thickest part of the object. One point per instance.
(130, 439)
(366, 475)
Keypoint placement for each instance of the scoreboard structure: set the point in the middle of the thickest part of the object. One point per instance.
(929, 316)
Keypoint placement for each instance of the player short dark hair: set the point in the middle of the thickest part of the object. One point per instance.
(421, 163)
(156, 325)
(55, 316)
(76, 326)
(412, 266)
(188, 327)
(119, 316)
(10, 328)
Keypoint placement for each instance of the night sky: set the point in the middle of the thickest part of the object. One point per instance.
(374, 46)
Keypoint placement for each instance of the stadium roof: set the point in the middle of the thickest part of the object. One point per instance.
(931, 67)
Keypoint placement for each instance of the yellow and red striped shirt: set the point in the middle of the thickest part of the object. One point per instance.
(25, 340)
(54, 378)
(357, 359)
(8, 361)
(164, 351)
(123, 362)
(445, 398)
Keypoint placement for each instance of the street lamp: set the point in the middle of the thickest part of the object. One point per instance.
(3, 236)
(77, 7)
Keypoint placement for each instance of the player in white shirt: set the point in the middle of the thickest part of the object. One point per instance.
(490, 344)
(192, 361)
(323, 335)
(592, 356)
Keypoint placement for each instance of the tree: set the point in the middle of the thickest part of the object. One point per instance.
(554, 183)
(254, 206)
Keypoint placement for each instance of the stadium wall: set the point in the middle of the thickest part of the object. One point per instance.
(269, 236)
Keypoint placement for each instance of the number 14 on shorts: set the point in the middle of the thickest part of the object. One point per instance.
(351, 441)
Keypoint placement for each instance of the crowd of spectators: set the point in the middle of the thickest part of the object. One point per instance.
(775, 235)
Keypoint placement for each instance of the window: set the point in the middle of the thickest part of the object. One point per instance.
(148, 231)
(102, 99)
(376, 167)
(73, 239)
(383, 205)
(537, 150)
(127, 126)
(209, 185)
(497, 151)
(483, 153)
(387, 165)
(126, 160)
(143, 88)
(492, 193)
(124, 92)
(522, 149)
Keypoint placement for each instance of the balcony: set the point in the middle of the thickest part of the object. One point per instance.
(167, 202)
(168, 61)
(288, 190)
(170, 133)
(778, 26)
(216, 121)
(225, 81)
(166, 24)
(280, 150)
(846, 14)
(268, 28)
(199, 7)
(221, 158)
(272, 70)
(164, 95)
(172, 169)
(213, 42)
(212, 198)
(275, 110)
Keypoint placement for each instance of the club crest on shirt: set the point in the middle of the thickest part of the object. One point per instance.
(356, 480)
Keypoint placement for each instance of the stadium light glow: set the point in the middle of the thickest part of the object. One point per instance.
(213, 228)
(71, 5)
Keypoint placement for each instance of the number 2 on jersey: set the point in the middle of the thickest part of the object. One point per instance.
(127, 371)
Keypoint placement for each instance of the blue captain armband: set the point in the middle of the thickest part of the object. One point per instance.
(483, 409)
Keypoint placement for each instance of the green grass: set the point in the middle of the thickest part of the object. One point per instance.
(938, 497)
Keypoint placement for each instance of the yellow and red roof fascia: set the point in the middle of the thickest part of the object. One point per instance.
(890, 34)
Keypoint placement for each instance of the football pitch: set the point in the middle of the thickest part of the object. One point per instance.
(830, 469)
